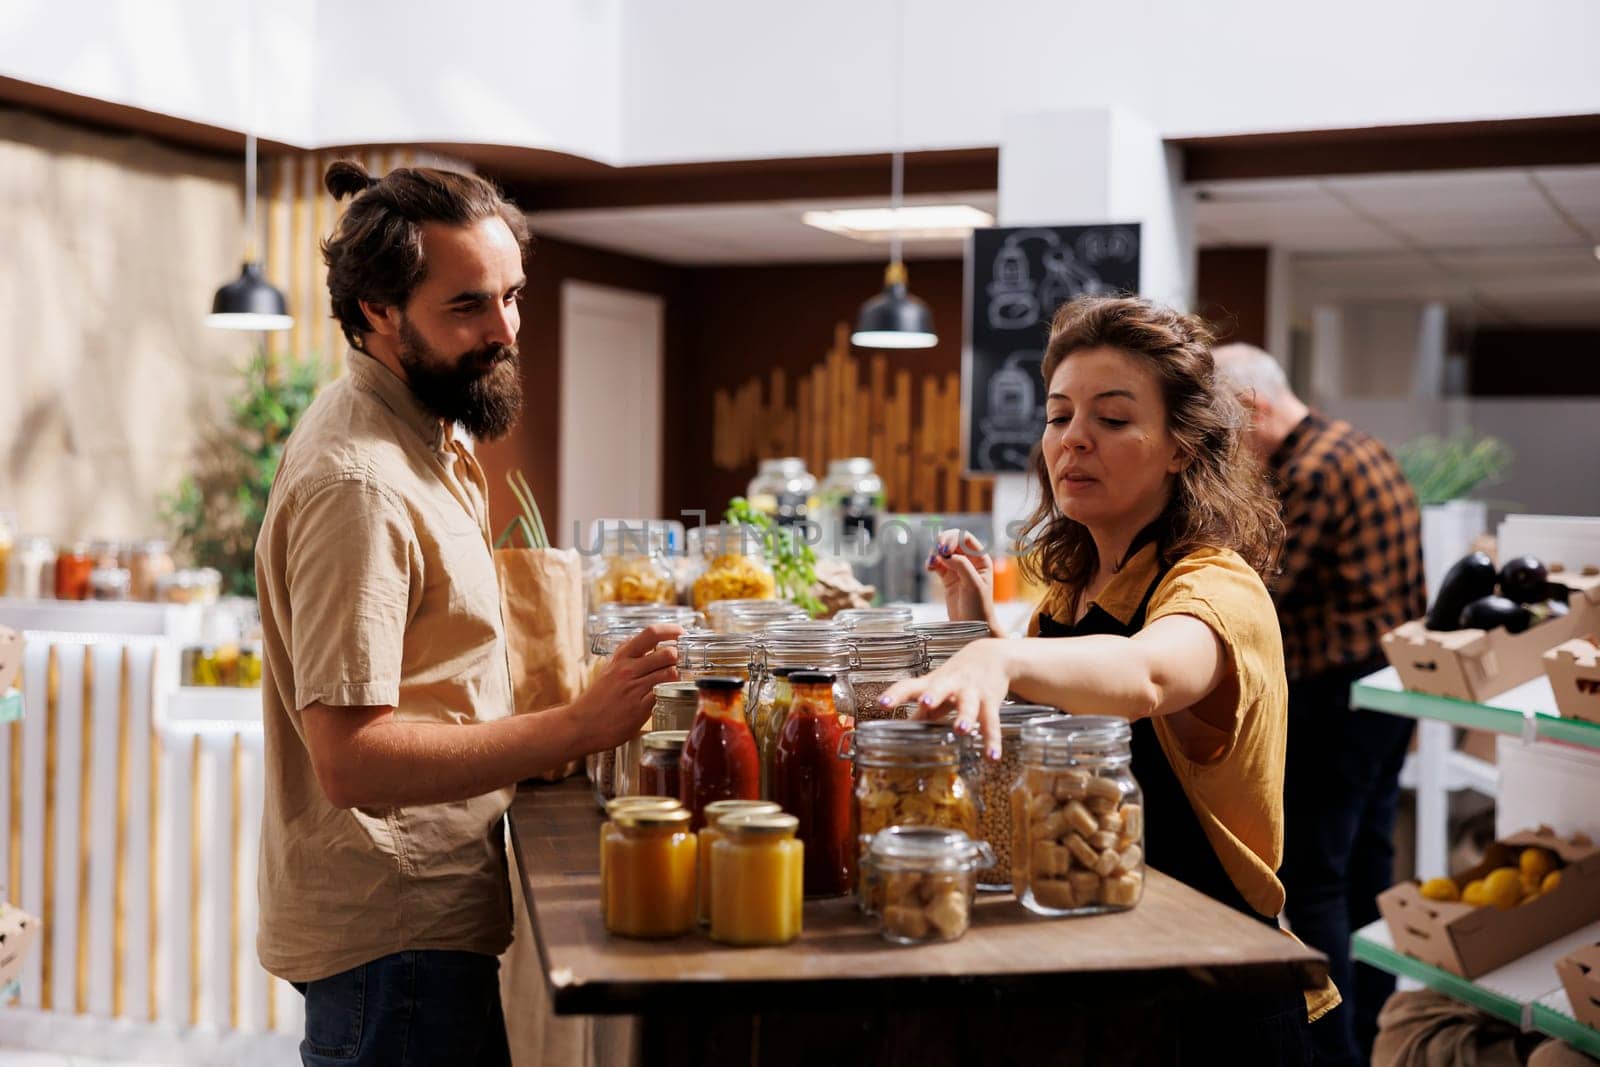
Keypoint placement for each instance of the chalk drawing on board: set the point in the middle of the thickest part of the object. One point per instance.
(1009, 429)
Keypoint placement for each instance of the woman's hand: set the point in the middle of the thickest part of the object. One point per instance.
(974, 682)
(968, 576)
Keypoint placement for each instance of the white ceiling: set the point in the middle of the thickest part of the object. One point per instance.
(1512, 246)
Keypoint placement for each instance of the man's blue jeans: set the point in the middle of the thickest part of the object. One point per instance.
(408, 1010)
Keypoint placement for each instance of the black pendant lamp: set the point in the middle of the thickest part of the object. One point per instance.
(249, 302)
(894, 318)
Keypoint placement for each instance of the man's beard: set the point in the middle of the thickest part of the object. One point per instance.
(482, 391)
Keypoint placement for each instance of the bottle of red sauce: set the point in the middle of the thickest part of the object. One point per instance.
(814, 783)
(720, 760)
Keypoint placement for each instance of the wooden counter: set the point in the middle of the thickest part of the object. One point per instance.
(1098, 982)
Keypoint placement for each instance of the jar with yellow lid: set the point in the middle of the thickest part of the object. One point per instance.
(716, 811)
(735, 565)
(757, 880)
(648, 872)
(609, 827)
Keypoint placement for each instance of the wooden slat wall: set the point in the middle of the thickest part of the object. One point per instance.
(910, 426)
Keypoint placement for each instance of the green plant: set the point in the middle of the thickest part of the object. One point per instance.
(217, 510)
(1446, 469)
(530, 522)
(793, 562)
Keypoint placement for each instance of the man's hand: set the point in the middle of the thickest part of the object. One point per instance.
(622, 695)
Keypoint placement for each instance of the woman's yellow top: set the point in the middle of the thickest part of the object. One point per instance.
(1238, 794)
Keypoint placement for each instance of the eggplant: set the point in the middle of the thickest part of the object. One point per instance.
(1524, 579)
(1472, 578)
(1492, 612)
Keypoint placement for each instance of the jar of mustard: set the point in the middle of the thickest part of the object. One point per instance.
(648, 872)
(716, 811)
(757, 880)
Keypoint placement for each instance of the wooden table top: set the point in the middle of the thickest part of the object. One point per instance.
(1175, 940)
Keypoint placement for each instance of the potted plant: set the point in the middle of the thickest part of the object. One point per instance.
(1443, 471)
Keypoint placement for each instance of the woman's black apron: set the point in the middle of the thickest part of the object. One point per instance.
(1175, 844)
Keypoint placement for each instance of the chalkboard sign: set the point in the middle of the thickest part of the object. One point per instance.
(1016, 279)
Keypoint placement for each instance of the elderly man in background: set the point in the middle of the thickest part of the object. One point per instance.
(1351, 570)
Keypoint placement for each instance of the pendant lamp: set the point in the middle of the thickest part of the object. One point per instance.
(249, 302)
(894, 318)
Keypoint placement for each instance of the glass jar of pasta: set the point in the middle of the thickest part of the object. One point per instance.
(945, 639)
(633, 568)
(735, 565)
(920, 882)
(881, 660)
(1077, 818)
(910, 774)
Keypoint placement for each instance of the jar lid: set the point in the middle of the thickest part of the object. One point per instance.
(761, 823)
(719, 685)
(850, 465)
(783, 465)
(1067, 737)
(712, 641)
(951, 628)
(617, 804)
(906, 741)
(718, 810)
(801, 628)
(899, 649)
(665, 739)
(675, 691)
(927, 846)
(804, 677)
(890, 619)
(642, 816)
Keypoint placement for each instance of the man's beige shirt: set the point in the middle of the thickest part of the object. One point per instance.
(377, 583)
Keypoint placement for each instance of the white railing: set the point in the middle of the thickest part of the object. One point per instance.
(129, 822)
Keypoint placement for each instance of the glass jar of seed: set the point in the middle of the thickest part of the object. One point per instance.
(993, 780)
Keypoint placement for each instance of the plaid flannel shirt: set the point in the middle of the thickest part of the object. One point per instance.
(1351, 567)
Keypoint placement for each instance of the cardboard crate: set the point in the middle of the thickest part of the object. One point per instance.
(1471, 941)
(17, 932)
(1574, 670)
(1476, 665)
(1580, 977)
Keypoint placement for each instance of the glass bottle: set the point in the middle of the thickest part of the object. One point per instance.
(33, 569)
(945, 639)
(920, 882)
(660, 770)
(851, 504)
(716, 811)
(782, 490)
(649, 870)
(148, 563)
(910, 774)
(814, 782)
(109, 583)
(8, 538)
(882, 659)
(720, 761)
(1077, 818)
(806, 646)
(757, 880)
(675, 707)
(74, 564)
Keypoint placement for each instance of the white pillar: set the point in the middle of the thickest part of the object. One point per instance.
(1087, 166)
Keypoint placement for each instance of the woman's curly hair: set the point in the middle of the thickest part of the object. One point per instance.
(1221, 499)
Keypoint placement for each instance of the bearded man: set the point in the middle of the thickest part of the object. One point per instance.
(392, 749)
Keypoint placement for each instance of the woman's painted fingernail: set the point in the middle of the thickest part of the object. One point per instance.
(883, 702)
(944, 550)
(994, 752)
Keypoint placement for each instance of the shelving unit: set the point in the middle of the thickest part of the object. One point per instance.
(1525, 992)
